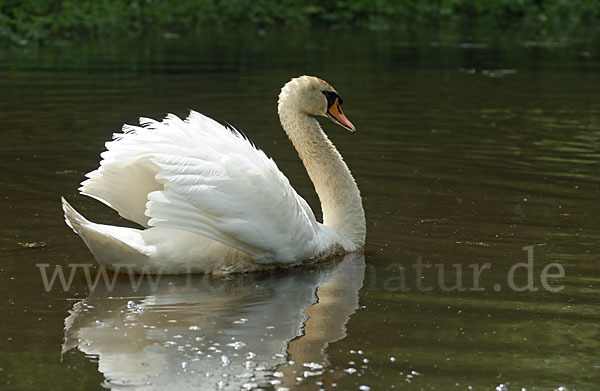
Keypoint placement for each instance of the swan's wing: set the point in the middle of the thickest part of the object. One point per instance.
(202, 177)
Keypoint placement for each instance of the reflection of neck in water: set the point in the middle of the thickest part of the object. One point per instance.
(217, 332)
(327, 318)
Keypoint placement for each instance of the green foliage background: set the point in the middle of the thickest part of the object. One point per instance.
(23, 21)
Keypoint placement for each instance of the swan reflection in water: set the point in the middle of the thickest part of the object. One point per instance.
(201, 332)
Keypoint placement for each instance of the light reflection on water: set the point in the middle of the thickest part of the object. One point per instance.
(455, 166)
(204, 333)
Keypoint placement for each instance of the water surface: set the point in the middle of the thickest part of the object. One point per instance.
(471, 155)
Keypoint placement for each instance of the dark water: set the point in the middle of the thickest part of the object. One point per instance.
(472, 155)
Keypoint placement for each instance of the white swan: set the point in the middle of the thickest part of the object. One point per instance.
(212, 202)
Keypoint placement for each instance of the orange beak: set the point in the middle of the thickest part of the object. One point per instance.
(337, 115)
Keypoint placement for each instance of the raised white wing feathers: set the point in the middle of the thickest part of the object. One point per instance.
(199, 176)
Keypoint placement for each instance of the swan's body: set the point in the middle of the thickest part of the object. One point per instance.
(211, 202)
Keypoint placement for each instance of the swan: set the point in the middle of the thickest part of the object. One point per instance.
(212, 202)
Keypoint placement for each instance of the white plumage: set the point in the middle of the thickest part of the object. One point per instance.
(209, 199)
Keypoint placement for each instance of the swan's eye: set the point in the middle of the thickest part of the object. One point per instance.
(331, 97)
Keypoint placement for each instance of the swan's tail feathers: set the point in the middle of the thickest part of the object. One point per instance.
(109, 244)
(73, 218)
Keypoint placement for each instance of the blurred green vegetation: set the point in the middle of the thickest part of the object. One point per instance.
(23, 21)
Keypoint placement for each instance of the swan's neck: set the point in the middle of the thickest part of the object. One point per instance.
(340, 198)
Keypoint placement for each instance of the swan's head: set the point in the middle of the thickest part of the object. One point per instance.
(314, 96)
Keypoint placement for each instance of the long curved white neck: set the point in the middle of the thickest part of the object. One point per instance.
(340, 198)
